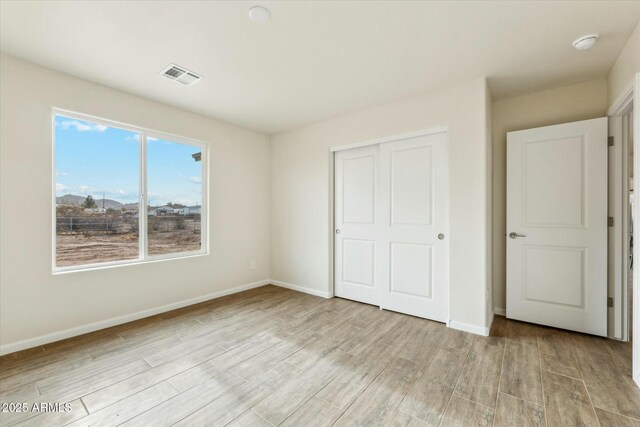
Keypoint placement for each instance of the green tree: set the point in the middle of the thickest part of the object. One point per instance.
(89, 203)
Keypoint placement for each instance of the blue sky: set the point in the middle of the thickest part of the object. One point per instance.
(95, 159)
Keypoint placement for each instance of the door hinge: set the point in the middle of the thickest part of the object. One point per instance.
(610, 141)
(610, 221)
(610, 302)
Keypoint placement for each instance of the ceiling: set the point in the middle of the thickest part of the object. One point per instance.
(315, 60)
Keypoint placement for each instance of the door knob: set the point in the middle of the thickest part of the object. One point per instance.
(337, 231)
(514, 235)
(441, 236)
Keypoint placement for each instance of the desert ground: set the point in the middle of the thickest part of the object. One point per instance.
(79, 248)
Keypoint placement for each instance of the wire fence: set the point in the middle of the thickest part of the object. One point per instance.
(175, 223)
(120, 224)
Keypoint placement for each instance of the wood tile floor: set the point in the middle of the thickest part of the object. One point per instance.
(271, 356)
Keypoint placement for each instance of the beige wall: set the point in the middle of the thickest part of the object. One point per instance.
(300, 180)
(580, 101)
(33, 302)
(626, 66)
(242, 176)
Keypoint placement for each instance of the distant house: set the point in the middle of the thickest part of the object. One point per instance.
(164, 210)
(96, 210)
(190, 210)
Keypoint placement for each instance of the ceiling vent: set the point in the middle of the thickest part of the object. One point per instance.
(180, 75)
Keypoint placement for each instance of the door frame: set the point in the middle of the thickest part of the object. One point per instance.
(632, 94)
(618, 316)
(636, 232)
(332, 150)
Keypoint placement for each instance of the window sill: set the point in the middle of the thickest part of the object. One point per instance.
(126, 263)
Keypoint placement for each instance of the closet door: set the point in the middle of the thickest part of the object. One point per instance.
(391, 216)
(413, 270)
(356, 224)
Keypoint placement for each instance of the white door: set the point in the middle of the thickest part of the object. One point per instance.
(557, 226)
(391, 204)
(356, 221)
(414, 226)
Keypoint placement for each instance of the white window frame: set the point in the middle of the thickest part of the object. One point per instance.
(143, 244)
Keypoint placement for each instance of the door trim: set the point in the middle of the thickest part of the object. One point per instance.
(618, 315)
(423, 132)
(332, 150)
(636, 233)
(631, 94)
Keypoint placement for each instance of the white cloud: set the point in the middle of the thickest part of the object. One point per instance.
(82, 126)
(60, 186)
(196, 180)
(60, 173)
(120, 193)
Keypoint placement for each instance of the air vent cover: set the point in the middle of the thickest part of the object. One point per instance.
(180, 75)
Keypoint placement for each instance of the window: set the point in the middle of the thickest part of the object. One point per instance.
(125, 194)
(174, 182)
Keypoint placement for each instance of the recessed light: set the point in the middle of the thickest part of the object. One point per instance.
(585, 42)
(259, 14)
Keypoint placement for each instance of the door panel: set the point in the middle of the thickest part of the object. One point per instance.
(411, 185)
(355, 220)
(554, 182)
(411, 269)
(413, 199)
(554, 275)
(358, 189)
(557, 205)
(358, 257)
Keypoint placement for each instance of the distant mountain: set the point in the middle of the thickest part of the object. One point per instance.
(70, 199)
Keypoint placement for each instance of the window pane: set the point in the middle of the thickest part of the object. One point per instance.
(174, 185)
(97, 180)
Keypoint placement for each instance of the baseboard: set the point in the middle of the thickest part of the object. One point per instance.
(466, 327)
(303, 289)
(500, 311)
(92, 327)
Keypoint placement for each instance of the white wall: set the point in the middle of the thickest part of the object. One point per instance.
(33, 302)
(580, 101)
(626, 66)
(300, 180)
